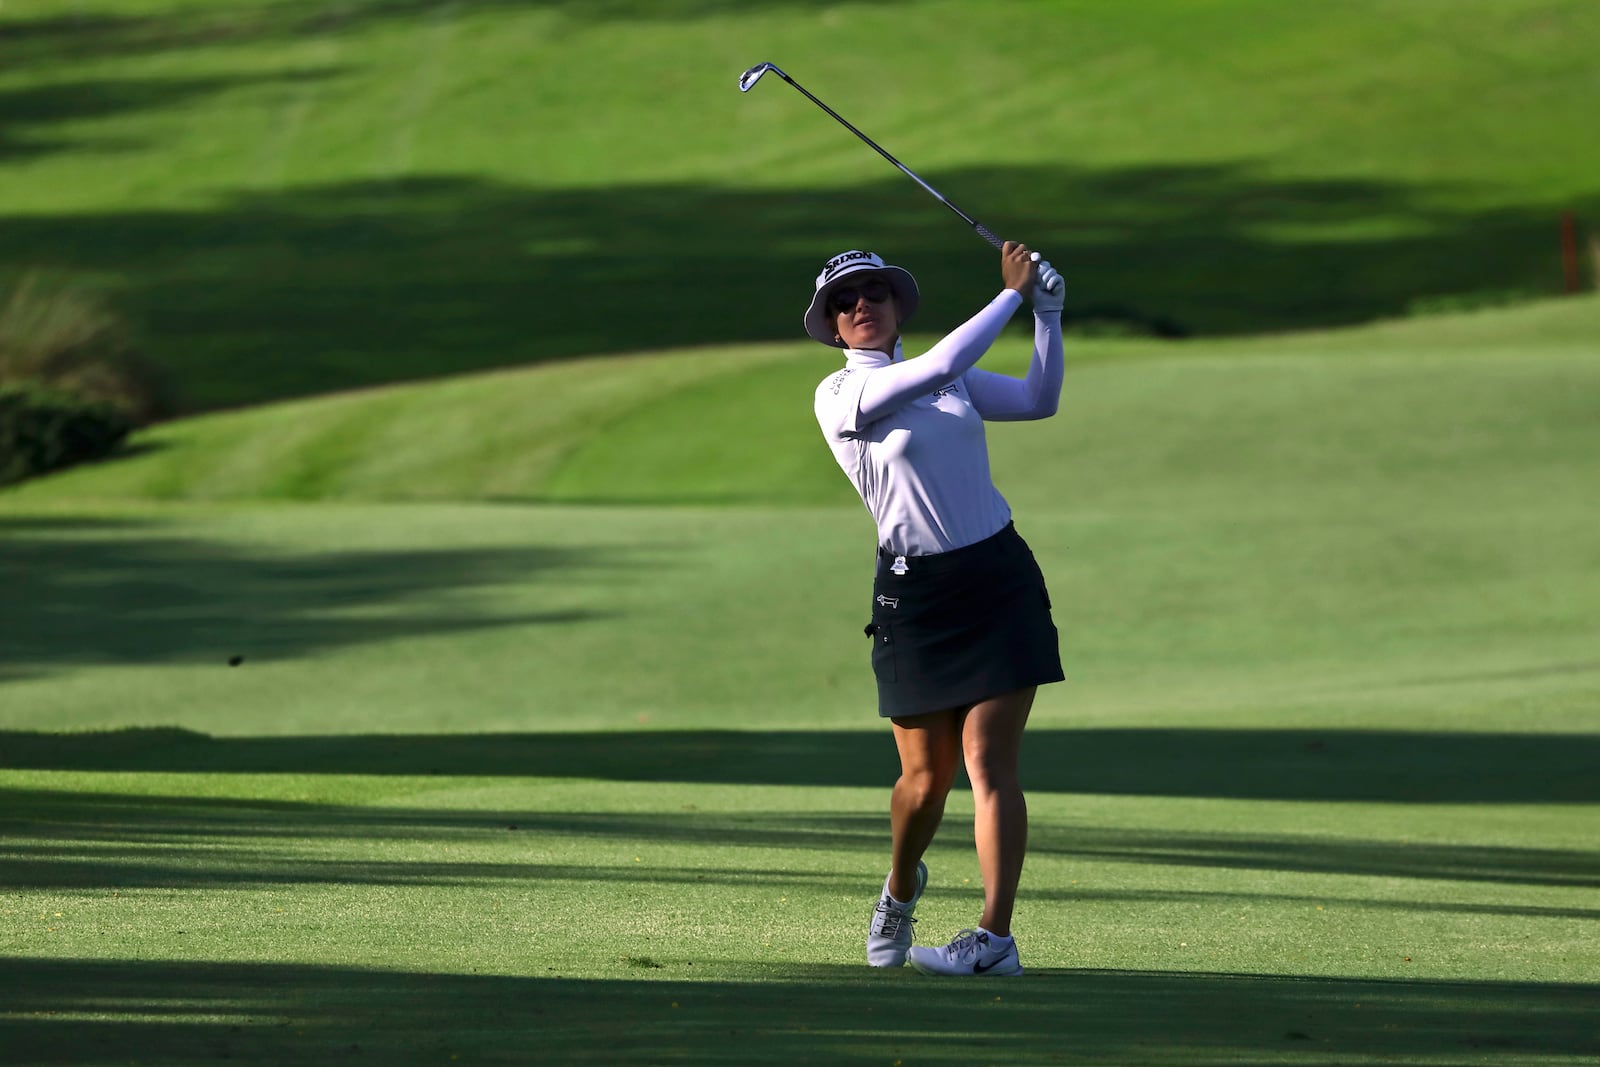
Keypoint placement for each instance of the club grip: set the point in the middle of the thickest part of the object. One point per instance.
(988, 235)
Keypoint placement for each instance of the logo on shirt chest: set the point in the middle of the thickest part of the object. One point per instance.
(951, 398)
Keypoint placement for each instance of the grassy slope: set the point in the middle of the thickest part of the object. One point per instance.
(303, 196)
(500, 435)
(1362, 412)
(1435, 472)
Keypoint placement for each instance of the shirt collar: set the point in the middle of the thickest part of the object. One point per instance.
(868, 358)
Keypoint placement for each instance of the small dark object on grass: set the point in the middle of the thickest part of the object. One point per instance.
(643, 962)
(234, 661)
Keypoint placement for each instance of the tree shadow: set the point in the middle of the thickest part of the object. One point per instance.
(1211, 900)
(72, 840)
(1321, 855)
(108, 591)
(270, 295)
(84, 36)
(59, 839)
(358, 283)
(1249, 764)
(81, 1011)
(31, 112)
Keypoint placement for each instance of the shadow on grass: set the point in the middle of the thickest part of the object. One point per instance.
(63, 839)
(83, 1011)
(84, 35)
(269, 295)
(31, 112)
(316, 289)
(103, 591)
(1353, 765)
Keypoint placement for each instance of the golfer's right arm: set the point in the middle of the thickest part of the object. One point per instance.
(1002, 398)
(889, 388)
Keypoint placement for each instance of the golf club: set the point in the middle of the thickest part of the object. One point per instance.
(753, 75)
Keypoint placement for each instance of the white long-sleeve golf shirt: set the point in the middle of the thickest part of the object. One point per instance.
(909, 435)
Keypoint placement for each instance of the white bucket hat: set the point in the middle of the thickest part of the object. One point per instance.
(819, 321)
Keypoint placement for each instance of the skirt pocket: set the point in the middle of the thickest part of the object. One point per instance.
(883, 651)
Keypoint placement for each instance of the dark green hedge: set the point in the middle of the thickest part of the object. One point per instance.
(43, 429)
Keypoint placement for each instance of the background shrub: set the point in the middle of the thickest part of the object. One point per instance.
(43, 429)
(69, 341)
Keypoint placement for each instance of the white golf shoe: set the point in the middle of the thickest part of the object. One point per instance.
(974, 953)
(890, 935)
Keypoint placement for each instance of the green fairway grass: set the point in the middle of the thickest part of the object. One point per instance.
(289, 197)
(475, 672)
(422, 919)
(317, 748)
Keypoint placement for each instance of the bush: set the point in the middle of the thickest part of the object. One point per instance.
(70, 342)
(44, 429)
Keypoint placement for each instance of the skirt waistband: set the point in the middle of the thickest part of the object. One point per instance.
(947, 561)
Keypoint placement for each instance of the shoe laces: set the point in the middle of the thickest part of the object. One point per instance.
(892, 919)
(966, 945)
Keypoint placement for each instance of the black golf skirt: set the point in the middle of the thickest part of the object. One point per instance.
(961, 626)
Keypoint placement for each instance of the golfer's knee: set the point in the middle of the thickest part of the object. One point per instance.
(998, 778)
(924, 787)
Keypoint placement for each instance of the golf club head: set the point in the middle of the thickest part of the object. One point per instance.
(753, 75)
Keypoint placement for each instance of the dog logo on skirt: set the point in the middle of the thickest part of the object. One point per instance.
(888, 601)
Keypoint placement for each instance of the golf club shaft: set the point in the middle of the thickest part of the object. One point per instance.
(982, 230)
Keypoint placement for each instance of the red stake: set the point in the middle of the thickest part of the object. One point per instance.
(1569, 251)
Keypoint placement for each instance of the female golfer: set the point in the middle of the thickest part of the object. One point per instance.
(961, 628)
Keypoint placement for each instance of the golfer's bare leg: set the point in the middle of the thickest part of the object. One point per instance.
(930, 749)
(991, 740)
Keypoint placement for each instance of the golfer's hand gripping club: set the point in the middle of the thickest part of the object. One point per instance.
(1019, 267)
(1050, 290)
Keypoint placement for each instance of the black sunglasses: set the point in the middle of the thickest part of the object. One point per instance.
(876, 290)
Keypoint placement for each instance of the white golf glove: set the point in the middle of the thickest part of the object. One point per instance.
(1050, 291)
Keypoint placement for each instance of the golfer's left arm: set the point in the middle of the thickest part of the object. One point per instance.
(1001, 398)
